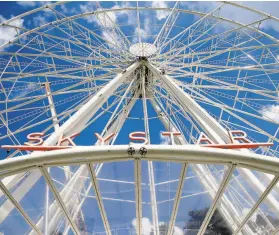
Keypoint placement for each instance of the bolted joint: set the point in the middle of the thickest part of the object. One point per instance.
(131, 151)
(143, 151)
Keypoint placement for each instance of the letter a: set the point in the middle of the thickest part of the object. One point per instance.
(203, 138)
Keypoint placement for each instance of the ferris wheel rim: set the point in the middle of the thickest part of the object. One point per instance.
(192, 154)
(81, 15)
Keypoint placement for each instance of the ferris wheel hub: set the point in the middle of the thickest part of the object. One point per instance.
(143, 49)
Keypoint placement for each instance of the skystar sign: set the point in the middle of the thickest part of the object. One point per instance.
(238, 140)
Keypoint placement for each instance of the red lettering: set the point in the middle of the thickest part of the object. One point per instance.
(35, 137)
(68, 138)
(242, 138)
(138, 136)
(103, 140)
(203, 138)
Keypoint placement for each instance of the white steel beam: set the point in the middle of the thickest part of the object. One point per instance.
(82, 116)
(166, 28)
(59, 199)
(177, 153)
(51, 106)
(177, 198)
(207, 180)
(210, 183)
(19, 208)
(207, 122)
(150, 163)
(254, 208)
(99, 198)
(217, 199)
(137, 170)
(76, 180)
(75, 124)
(56, 128)
(210, 126)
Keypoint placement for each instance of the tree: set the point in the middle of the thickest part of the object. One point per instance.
(216, 226)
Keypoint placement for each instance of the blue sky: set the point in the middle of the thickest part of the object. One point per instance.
(121, 214)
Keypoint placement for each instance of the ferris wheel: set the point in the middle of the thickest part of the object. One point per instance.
(183, 102)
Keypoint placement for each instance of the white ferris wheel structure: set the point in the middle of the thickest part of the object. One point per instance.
(204, 76)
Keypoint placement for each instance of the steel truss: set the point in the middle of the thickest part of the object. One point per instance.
(73, 76)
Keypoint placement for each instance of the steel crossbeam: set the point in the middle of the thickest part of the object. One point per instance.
(75, 124)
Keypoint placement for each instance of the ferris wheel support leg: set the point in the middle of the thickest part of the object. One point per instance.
(76, 181)
(150, 163)
(207, 180)
(66, 168)
(99, 198)
(211, 127)
(59, 199)
(74, 124)
(217, 198)
(177, 198)
(138, 196)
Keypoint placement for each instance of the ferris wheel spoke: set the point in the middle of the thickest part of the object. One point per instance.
(187, 30)
(201, 53)
(210, 100)
(226, 85)
(176, 52)
(180, 124)
(184, 48)
(73, 57)
(244, 121)
(49, 53)
(237, 87)
(84, 48)
(162, 36)
(112, 28)
(84, 44)
(38, 98)
(138, 23)
(61, 116)
(60, 73)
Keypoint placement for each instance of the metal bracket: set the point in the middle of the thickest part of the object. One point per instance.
(131, 151)
(143, 151)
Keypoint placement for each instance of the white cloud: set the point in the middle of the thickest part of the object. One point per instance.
(271, 112)
(147, 227)
(245, 212)
(68, 10)
(108, 20)
(39, 20)
(177, 231)
(160, 14)
(145, 30)
(8, 33)
(164, 139)
(238, 14)
(27, 4)
(30, 87)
